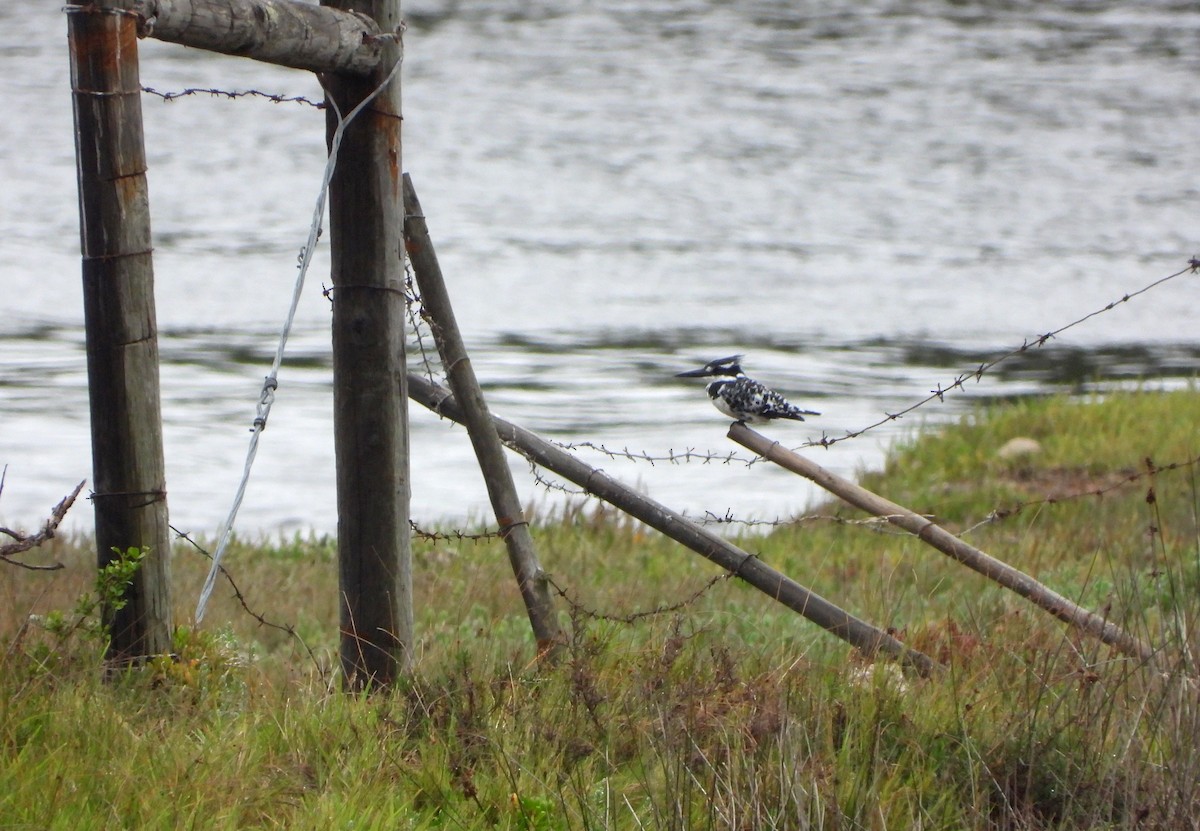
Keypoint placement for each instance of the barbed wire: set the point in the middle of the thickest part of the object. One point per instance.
(547, 483)
(419, 320)
(691, 454)
(880, 524)
(939, 392)
(212, 92)
(579, 609)
(455, 535)
(286, 628)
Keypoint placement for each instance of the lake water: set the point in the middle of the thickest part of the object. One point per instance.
(866, 199)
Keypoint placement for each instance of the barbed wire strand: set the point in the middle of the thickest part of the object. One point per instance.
(939, 393)
(936, 394)
(454, 534)
(633, 617)
(274, 98)
(416, 318)
(286, 628)
(271, 383)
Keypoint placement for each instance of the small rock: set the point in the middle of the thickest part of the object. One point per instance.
(1021, 447)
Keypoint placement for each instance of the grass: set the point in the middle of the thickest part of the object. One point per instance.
(731, 712)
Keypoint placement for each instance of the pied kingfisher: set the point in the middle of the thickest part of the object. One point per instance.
(743, 398)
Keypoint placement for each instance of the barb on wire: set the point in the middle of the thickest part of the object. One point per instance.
(939, 392)
(546, 482)
(271, 383)
(274, 98)
(662, 609)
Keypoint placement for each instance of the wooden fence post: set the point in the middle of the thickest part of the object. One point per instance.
(128, 481)
(366, 220)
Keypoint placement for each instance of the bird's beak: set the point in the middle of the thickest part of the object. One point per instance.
(695, 373)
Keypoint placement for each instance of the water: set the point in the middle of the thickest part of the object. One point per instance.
(865, 198)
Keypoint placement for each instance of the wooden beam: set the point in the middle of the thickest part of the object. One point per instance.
(366, 223)
(502, 491)
(128, 480)
(743, 565)
(934, 535)
(284, 32)
(277, 31)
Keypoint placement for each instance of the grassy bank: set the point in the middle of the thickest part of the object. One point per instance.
(725, 712)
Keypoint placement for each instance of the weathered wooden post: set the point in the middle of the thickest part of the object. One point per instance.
(366, 219)
(122, 336)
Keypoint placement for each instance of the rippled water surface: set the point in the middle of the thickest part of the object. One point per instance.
(866, 199)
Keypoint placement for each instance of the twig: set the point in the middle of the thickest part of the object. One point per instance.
(49, 529)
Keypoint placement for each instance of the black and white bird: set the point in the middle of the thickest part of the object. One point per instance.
(742, 398)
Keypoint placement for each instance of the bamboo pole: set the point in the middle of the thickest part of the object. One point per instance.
(128, 479)
(366, 216)
(941, 539)
(502, 490)
(863, 636)
(282, 32)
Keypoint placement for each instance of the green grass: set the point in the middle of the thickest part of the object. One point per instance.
(730, 713)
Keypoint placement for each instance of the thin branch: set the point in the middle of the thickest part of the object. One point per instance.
(49, 530)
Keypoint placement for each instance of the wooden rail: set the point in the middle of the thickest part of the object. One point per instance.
(284, 32)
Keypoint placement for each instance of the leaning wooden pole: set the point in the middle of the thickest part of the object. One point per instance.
(128, 480)
(941, 539)
(502, 490)
(366, 218)
(863, 636)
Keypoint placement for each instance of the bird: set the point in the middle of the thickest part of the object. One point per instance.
(742, 398)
